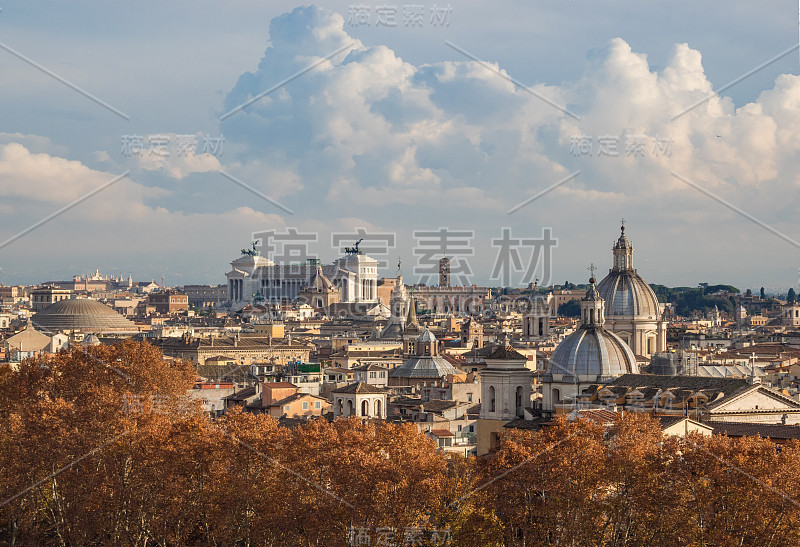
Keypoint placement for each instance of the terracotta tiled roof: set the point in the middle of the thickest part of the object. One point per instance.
(278, 384)
(507, 353)
(438, 405)
(359, 387)
(693, 383)
(745, 429)
(242, 395)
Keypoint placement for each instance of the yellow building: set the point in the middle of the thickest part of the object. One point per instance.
(280, 399)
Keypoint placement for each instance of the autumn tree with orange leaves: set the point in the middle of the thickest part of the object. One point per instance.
(100, 446)
(577, 483)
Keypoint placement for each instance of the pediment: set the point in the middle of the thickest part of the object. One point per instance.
(757, 399)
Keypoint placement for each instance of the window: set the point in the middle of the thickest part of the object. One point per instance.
(286, 408)
(305, 405)
(317, 404)
(469, 397)
(372, 375)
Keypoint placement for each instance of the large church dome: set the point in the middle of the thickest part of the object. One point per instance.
(591, 353)
(625, 293)
(81, 314)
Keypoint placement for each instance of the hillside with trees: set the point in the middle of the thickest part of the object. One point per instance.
(700, 299)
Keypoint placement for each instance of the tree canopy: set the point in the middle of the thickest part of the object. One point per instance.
(571, 308)
(100, 446)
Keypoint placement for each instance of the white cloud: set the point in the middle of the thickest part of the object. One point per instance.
(402, 145)
(455, 140)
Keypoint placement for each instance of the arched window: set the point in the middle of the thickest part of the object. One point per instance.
(491, 399)
(556, 395)
(341, 408)
(365, 408)
(518, 401)
(377, 408)
(350, 410)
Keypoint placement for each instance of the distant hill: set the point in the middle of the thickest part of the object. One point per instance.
(689, 299)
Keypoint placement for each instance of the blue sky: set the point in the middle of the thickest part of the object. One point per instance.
(401, 132)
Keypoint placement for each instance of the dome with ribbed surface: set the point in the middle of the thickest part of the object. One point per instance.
(81, 314)
(625, 293)
(424, 366)
(593, 352)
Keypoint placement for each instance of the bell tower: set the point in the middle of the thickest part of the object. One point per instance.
(444, 272)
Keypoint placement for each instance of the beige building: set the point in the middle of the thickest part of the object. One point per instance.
(506, 390)
(244, 349)
(756, 320)
(561, 297)
(632, 309)
(320, 293)
(359, 399)
(44, 296)
(274, 329)
(27, 343)
(703, 399)
(790, 314)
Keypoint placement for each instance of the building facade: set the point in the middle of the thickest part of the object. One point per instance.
(590, 355)
(354, 275)
(632, 310)
(44, 296)
(506, 389)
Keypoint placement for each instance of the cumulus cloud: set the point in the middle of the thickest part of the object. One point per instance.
(369, 128)
(124, 219)
(178, 166)
(368, 135)
(454, 142)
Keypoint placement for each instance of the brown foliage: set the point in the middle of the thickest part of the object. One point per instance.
(576, 484)
(98, 446)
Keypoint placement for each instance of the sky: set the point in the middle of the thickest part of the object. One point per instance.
(124, 145)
